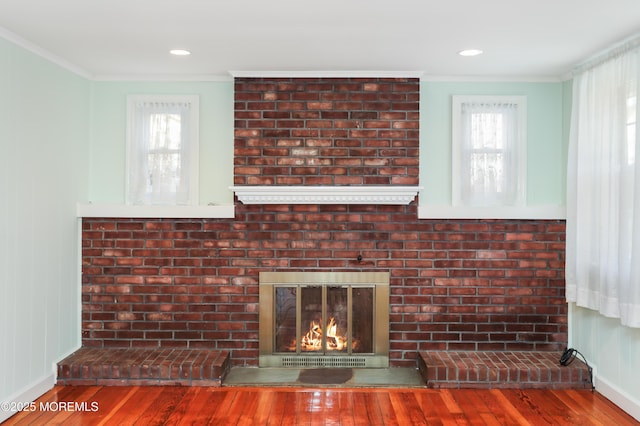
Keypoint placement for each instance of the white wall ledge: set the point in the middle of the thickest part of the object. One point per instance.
(172, 212)
(539, 212)
(267, 194)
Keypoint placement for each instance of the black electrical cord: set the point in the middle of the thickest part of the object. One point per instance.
(567, 358)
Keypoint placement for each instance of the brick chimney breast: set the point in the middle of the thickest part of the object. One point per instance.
(326, 131)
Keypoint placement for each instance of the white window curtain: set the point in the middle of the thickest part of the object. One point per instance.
(489, 159)
(160, 158)
(603, 189)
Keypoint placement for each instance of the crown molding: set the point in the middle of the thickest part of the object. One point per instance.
(492, 79)
(387, 195)
(169, 78)
(327, 74)
(43, 53)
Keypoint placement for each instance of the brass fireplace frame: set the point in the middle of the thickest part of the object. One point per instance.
(379, 358)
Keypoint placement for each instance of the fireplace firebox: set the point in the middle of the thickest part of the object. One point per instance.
(324, 319)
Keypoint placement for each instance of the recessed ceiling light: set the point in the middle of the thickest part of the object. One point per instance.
(470, 52)
(180, 52)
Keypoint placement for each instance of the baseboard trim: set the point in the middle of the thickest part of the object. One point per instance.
(620, 398)
(29, 394)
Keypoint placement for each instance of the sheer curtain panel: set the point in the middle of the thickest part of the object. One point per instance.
(162, 157)
(489, 150)
(603, 189)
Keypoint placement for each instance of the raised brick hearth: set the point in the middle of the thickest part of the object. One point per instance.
(439, 369)
(506, 369)
(144, 367)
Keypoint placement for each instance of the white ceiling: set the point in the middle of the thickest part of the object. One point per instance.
(522, 39)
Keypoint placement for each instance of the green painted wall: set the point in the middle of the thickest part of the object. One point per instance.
(546, 162)
(44, 135)
(108, 137)
(614, 351)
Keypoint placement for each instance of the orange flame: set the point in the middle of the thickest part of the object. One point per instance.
(312, 340)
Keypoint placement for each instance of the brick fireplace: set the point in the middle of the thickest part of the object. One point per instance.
(324, 319)
(495, 285)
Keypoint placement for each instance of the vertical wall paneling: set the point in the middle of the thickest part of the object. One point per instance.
(44, 160)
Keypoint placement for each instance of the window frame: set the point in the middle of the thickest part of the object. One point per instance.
(192, 149)
(456, 141)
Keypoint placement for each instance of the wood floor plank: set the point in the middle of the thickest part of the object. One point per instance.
(503, 416)
(278, 408)
(347, 415)
(332, 408)
(415, 413)
(264, 404)
(545, 411)
(187, 411)
(325, 412)
(399, 409)
(470, 410)
(224, 415)
(361, 414)
(38, 412)
(111, 400)
(514, 412)
(453, 407)
(161, 408)
(204, 408)
(246, 408)
(289, 417)
(83, 396)
(436, 411)
(600, 409)
(314, 403)
(581, 414)
(528, 411)
(374, 411)
(388, 416)
(303, 406)
(406, 408)
(476, 410)
(554, 407)
(138, 403)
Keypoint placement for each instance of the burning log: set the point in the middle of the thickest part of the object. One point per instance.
(312, 340)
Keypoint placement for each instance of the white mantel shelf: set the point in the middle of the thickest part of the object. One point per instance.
(370, 194)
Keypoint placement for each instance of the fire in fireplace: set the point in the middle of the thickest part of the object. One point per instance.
(314, 319)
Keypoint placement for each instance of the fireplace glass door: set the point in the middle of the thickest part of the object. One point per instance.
(324, 319)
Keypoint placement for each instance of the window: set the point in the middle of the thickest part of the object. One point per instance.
(489, 150)
(162, 150)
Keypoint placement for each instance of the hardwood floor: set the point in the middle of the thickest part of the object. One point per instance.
(97, 405)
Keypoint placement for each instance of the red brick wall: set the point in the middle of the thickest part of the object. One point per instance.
(455, 284)
(459, 285)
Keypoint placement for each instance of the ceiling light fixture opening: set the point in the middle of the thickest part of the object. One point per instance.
(470, 52)
(180, 52)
